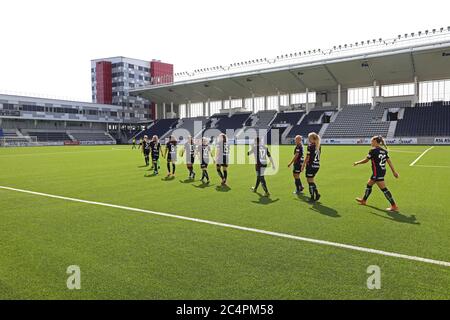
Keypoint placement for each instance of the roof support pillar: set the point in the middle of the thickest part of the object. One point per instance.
(229, 102)
(164, 110)
(279, 100)
(339, 97)
(209, 108)
(375, 93)
(156, 111)
(188, 110)
(416, 89)
(171, 107)
(253, 103)
(289, 100)
(307, 100)
(204, 108)
(265, 103)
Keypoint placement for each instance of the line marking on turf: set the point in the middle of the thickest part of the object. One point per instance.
(236, 227)
(425, 166)
(421, 155)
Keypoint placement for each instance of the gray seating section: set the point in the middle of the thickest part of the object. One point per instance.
(193, 125)
(49, 136)
(90, 136)
(359, 121)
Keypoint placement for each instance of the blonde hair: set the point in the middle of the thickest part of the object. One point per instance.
(380, 140)
(316, 138)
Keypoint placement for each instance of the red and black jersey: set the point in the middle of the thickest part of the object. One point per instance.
(298, 150)
(314, 156)
(155, 147)
(378, 157)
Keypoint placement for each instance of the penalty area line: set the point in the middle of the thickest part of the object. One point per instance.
(236, 227)
(420, 156)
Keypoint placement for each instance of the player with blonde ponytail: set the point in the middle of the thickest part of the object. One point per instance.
(312, 164)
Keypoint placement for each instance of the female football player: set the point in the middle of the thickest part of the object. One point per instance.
(312, 164)
(146, 150)
(189, 149)
(379, 156)
(222, 158)
(155, 148)
(204, 155)
(261, 153)
(297, 160)
(171, 155)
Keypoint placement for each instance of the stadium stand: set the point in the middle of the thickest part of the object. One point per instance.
(284, 121)
(257, 122)
(312, 122)
(193, 125)
(49, 136)
(90, 136)
(358, 121)
(425, 120)
(1, 132)
(233, 122)
(159, 128)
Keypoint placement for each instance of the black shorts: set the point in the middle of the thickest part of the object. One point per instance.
(204, 165)
(146, 152)
(190, 160)
(260, 169)
(377, 177)
(155, 157)
(297, 168)
(311, 172)
(171, 158)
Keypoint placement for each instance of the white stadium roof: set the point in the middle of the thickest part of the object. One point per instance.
(424, 55)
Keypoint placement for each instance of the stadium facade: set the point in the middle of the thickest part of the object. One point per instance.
(398, 88)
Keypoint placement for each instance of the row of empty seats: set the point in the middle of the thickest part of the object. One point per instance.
(358, 121)
(90, 136)
(49, 136)
(425, 121)
(159, 128)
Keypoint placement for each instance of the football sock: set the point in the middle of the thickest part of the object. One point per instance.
(298, 184)
(173, 168)
(388, 196)
(168, 167)
(263, 183)
(367, 192)
(258, 180)
(220, 173)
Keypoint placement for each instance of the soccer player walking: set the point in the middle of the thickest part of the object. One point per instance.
(261, 153)
(297, 160)
(379, 157)
(312, 164)
(155, 148)
(204, 155)
(171, 155)
(222, 158)
(189, 150)
(146, 150)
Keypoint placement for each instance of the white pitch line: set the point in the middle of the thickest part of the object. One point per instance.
(236, 227)
(421, 155)
(425, 166)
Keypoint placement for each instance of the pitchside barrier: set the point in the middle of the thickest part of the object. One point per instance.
(29, 141)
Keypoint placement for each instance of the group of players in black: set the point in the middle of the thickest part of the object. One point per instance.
(310, 164)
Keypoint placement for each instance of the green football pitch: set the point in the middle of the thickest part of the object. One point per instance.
(243, 246)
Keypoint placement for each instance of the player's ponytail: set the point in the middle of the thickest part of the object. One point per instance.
(316, 138)
(380, 140)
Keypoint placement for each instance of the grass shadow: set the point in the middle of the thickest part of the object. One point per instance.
(319, 207)
(151, 175)
(264, 200)
(395, 216)
(171, 178)
(223, 188)
(144, 166)
(203, 185)
(187, 181)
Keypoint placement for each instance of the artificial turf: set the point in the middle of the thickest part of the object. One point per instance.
(134, 255)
